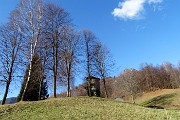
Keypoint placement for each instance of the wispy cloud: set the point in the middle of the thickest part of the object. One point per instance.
(154, 1)
(132, 9)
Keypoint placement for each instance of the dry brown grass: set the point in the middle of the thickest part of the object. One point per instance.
(175, 100)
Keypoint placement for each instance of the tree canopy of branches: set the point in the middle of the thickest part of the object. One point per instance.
(103, 63)
(69, 56)
(57, 19)
(89, 43)
(10, 43)
(130, 82)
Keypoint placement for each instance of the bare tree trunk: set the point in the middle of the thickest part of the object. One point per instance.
(29, 73)
(54, 67)
(54, 85)
(8, 82)
(68, 88)
(89, 42)
(133, 100)
(68, 79)
(27, 82)
(55, 78)
(88, 67)
(6, 92)
(105, 89)
(89, 86)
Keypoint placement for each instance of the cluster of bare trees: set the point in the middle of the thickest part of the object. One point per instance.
(149, 78)
(98, 59)
(44, 29)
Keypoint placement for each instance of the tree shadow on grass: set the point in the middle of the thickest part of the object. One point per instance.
(159, 101)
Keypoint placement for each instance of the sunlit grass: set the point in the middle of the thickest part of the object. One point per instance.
(84, 108)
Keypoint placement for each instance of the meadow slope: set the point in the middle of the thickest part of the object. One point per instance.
(166, 98)
(84, 108)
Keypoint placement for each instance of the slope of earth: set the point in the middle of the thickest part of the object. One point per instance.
(166, 98)
(84, 108)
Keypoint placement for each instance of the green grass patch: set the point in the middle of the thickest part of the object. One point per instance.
(83, 108)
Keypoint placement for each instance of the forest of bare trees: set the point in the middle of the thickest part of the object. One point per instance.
(132, 83)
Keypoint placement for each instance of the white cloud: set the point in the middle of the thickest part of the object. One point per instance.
(129, 9)
(132, 9)
(154, 1)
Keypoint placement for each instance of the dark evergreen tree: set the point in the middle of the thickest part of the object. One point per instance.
(44, 91)
(36, 83)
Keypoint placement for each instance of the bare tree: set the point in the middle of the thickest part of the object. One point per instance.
(130, 82)
(69, 55)
(31, 24)
(10, 43)
(147, 75)
(173, 73)
(103, 63)
(44, 56)
(89, 41)
(56, 19)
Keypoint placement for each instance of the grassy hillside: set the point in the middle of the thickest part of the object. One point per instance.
(167, 98)
(77, 108)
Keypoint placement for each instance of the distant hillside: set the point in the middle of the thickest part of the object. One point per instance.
(164, 98)
(11, 100)
(83, 108)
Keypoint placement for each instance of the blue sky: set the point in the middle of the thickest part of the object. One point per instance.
(136, 31)
(152, 36)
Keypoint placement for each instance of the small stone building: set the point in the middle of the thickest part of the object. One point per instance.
(94, 86)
